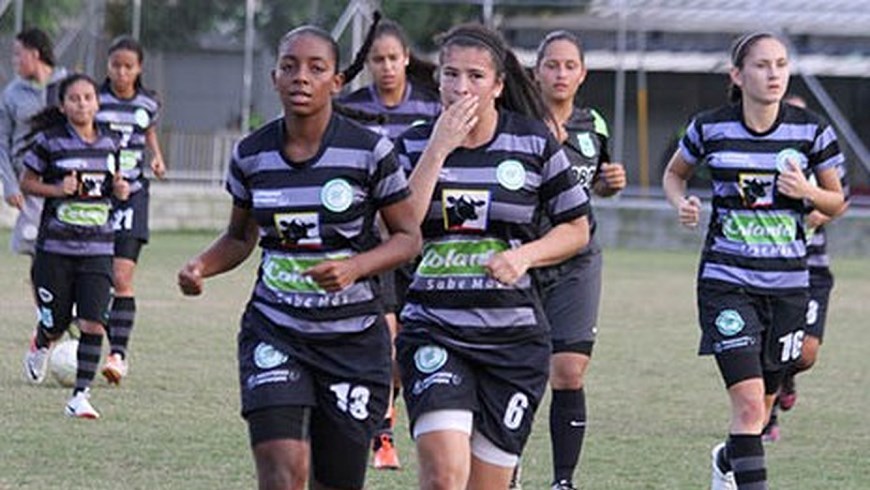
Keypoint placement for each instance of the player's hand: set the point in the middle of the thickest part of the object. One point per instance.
(793, 183)
(190, 279)
(120, 187)
(15, 200)
(507, 267)
(690, 211)
(158, 167)
(816, 219)
(334, 275)
(70, 184)
(613, 176)
(454, 124)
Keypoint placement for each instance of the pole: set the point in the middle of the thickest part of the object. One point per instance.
(247, 73)
(642, 116)
(619, 110)
(136, 28)
(19, 15)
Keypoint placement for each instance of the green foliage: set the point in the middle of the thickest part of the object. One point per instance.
(48, 15)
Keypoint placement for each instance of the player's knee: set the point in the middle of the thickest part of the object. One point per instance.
(277, 471)
(567, 371)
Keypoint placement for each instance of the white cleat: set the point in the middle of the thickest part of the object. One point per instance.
(35, 362)
(80, 407)
(720, 480)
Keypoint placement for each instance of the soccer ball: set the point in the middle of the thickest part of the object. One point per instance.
(62, 364)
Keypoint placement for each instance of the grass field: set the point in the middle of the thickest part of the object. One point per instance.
(655, 408)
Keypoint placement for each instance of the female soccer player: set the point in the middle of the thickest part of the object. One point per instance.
(474, 348)
(314, 354)
(753, 278)
(72, 164)
(131, 110)
(821, 284)
(403, 93)
(572, 290)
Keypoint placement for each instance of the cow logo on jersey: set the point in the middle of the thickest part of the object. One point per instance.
(729, 322)
(465, 209)
(267, 356)
(298, 229)
(586, 144)
(756, 189)
(91, 184)
(790, 155)
(142, 118)
(430, 358)
(511, 175)
(337, 195)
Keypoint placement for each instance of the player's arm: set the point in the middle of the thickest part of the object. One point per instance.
(827, 197)
(158, 165)
(11, 189)
(229, 250)
(675, 183)
(31, 183)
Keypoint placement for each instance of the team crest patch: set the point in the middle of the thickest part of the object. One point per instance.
(586, 144)
(465, 209)
(511, 175)
(337, 195)
(729, 322)
(298, 229)
(756, 189)
(45, 295)
(430, 358)
(267, 357)
(787, 155)
(142, 118)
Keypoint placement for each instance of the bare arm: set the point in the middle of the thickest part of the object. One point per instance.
(560, 243)
(402, 245)
(610, 179)
(229, 250)
(674, 183)
(31, 183)
(827, 198)
(158, 166)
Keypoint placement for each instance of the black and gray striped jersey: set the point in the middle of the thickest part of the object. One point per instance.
(78, 224)
(486, 201)
(756, 237)
(130, 118)
(417, 107)
(312, 211)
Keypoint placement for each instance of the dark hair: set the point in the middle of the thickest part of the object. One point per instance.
(127, 43)
(559, 35)
(37, 39)
(520, 94)
(52, 116)
(310, 30)
(739, 50)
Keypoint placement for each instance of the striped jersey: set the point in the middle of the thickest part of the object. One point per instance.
(586, 147)
(130, 118)
(756, 236)
(817, 241)
(418, 106)
(78, 224)
(485, 202)
(312, 211)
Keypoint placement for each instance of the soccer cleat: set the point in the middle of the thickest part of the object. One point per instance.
(787, 394)
(115, 368)
(517, 478)
(80, 407)
(771, 431)
(386, 457)
(721, 480)
(35, 362)
(563, 485)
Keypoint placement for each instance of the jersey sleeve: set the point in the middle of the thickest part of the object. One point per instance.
(389, 182)
(562, 195)
(36, 157)
(236, 182)
(692, 144)
(825, 152)
(7, 173)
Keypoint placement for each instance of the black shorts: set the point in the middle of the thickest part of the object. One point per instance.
(344, 378)
(501, 383)
(63, 280)
(130, 217)
(821, 284)
(734, 320)
(571, 294)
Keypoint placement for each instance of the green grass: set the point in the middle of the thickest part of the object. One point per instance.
(655, 408)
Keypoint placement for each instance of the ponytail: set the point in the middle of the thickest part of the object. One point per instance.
(359, 61)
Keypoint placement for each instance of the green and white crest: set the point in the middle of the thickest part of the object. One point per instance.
(142, 118)
(729, 322)
(337, 195)
(586, 144)
(267, 356)
(430, 358)
(790, 154)
(511, 175)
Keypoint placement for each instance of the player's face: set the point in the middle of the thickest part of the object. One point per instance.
(80, 103)
(560, 72)
(764, 75)
(386, 62)
(123, 68)
(467, 71)
(25, 60)
(305, 76)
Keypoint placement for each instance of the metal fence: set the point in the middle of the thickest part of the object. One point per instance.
(198, 157)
